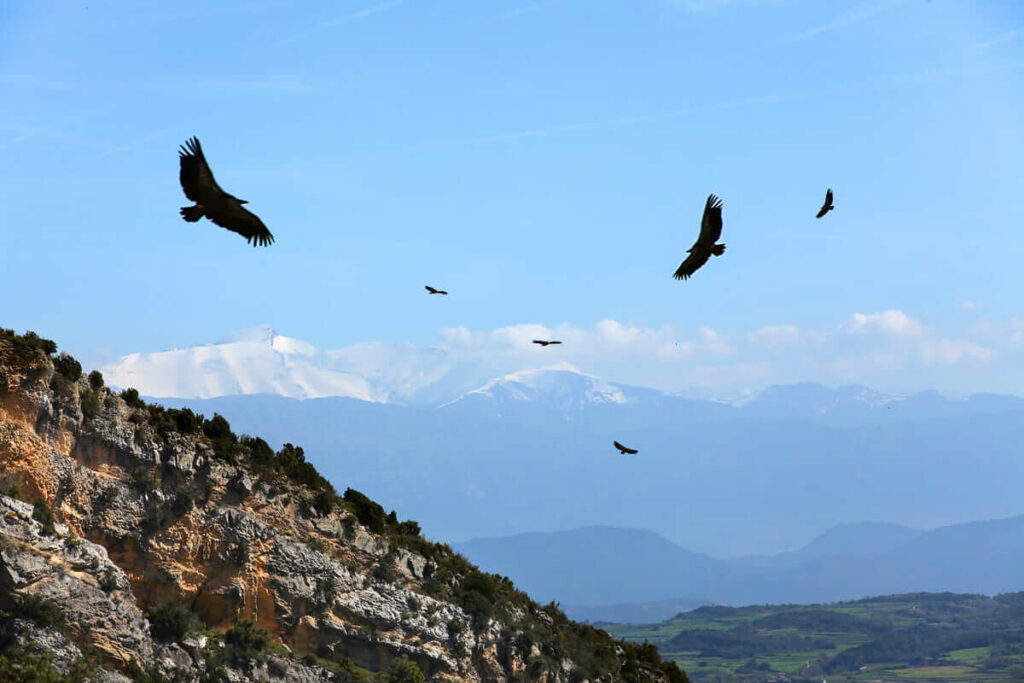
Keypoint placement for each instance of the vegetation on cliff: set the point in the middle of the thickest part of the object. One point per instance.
(218, 530)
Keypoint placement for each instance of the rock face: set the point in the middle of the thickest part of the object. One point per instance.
(160, 507)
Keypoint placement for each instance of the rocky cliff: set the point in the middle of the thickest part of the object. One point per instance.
(150, 544)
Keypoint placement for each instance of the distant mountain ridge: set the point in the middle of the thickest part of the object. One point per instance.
(590, 569)
(261, 361)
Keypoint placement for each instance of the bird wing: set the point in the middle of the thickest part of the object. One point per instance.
(540, 341)
(827, 205)
(699, 255)
(236, 218)
(195, 174)
(711, 222)
(430, 289)
(554, 342)
(619, 446)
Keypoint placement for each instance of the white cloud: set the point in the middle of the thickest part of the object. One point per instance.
(968, 305)
(775, 336)
(892, 322)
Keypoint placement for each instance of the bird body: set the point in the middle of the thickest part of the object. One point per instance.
(545, 342)
(214, 203)
(828, 205)
(625, 450)
(705, 246)
(435, 291)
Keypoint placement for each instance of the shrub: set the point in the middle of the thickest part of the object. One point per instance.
(183, 503)
(404, 671)
(41, 513)
(261, 455)
(131, 397)
(413, 603)
(246, 641)
(96, 380)
(370, 514)
(478, 606)
(143, 481)
(68, 366)
(383, 572)
(169, 622)
(90, 404)
(223, 440)
(323, 502)
(44, 612)
(409, 528)
(108, 582)
(153, 521)
(33, 341)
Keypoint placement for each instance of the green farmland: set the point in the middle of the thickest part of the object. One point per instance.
(915, 637)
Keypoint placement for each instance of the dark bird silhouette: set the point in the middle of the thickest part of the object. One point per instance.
(624, 450)
(827, 206)
(704, 247)
(435, 291)
(220, 207)
(545, 342)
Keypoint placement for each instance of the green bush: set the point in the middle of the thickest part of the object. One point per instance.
(108, 582)
(169, 622)
(223, 440)
(90, 404)
(323, 502)
(68, 366)
(383, 572)
(143, 481)
(246, 641)
(44, 612)
(404, 671)
(41, 513)
(131, 397)
(96, 380)
(370, 514)
(22, 665)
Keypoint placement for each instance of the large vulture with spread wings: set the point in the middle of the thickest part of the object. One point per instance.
(704, 247)
(828, 205)
(220, 207)
(625, 450)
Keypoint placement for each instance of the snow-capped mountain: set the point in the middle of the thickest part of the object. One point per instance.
(260, 361)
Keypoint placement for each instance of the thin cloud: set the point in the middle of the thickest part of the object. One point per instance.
(346, 19)
(968, 305)
(138, 142)
(849, 19)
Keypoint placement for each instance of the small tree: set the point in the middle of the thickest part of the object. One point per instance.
(96, 380)
(68, 366)
(404, 671)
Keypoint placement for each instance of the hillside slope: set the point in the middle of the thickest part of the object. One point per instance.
(202, 555)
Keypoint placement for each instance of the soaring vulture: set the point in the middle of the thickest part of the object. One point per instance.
(220, 207)
(545, 342)
(827, 206)
(704, 247)
(624, 450)
(435, 291)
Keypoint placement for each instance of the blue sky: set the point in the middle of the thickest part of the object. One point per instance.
(546, 162)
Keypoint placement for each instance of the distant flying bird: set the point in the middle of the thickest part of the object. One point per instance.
(544, 342)
(704, 247)
(624, 450)
(827, 206)
(223, 209)
(435, 291)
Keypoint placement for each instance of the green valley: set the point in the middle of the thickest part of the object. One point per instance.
(912, 637)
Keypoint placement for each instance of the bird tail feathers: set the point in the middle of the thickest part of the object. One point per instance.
(718, 249)
(192, 213)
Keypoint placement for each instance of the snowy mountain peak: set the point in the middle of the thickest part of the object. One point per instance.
(560, 382)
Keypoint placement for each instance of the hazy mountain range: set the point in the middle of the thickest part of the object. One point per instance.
(633, 575)
(472, 455)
